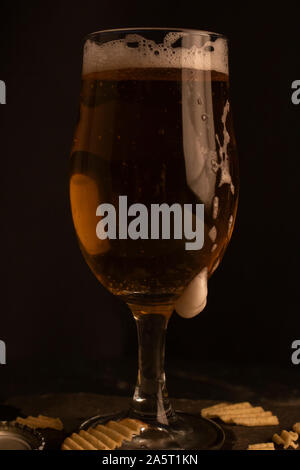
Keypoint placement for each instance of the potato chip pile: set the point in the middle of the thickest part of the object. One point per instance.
(287, 439)
(104, 437)
(242, 414)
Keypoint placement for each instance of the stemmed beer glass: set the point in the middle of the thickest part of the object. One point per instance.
(154, 190)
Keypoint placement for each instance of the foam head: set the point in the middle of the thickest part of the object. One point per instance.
(134, 51)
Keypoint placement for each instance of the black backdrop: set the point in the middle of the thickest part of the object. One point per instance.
(56, 320)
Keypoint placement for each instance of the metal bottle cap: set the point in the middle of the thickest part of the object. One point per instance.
(14, 436)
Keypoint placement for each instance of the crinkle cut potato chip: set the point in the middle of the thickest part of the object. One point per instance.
(296, 428)
(107, 436)
(41, 422)
(107, 441)
(215, 410)
(232, 418)
(261, 446)
(243, 414)
(93, 440)
(286, 439)
(257, 421)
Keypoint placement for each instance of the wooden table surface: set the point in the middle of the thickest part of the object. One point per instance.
(103, 387)
(74, 408)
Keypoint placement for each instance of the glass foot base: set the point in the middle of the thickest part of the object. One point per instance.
(184, 432)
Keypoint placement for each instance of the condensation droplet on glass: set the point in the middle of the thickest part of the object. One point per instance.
(199, 101)
(204, 117)
(215, 210)
(213, 234)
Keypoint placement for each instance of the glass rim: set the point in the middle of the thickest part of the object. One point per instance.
(198, 32)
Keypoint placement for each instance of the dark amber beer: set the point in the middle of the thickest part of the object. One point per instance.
(158, 135)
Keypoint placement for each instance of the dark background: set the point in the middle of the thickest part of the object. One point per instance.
(63, 331)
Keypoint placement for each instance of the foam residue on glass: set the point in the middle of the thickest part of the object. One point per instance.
(194, 298)
(224, 158)
(230, 222)
(215, 207)
(213, 234)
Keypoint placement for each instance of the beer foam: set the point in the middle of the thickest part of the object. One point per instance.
(136, 52)
(193, 299)
(223, 153)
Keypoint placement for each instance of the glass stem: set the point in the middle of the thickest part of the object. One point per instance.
(150, 400)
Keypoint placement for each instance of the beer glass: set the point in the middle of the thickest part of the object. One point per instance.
(154, 190)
